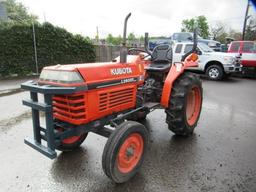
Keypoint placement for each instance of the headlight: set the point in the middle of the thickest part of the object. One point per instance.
(60, 76)
(229, 59)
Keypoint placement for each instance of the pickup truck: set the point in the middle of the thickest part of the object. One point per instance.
(186, 36)
(183, 37)
(214, 64)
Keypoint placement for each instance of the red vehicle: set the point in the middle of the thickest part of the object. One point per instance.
(109, 99)
(248, 51)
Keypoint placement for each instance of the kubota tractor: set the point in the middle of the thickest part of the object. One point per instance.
(110, 99)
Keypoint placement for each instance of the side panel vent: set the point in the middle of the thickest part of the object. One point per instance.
(112, 99)
(70, 108)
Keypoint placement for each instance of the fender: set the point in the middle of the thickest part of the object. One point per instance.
(176, 70)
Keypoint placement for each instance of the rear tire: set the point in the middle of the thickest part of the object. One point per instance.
(185, 104)
(124, 151)
(214, 72)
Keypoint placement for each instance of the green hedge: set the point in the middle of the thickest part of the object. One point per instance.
(54, 46)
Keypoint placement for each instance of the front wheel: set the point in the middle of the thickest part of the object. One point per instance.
(71, 143)
(215, 72)
(124, 151)
(185, 104)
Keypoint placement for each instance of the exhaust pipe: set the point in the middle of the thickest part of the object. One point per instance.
(195, 40)
(146, 42)
(194, 46)
(123, 51)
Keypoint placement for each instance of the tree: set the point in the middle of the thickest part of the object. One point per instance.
(250, 32)
(17, 13)
(219, 32)
(235, 34)
(142, 38)
(203, 26)
(188, 25)
(113, 40)
(55, 45)
(131, 37)
(132, 40)
(118, 40)
(110, 39)
(218, 29)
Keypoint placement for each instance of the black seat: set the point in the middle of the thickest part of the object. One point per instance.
(161, 58)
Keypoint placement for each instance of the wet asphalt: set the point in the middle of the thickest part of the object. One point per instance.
(220, 155)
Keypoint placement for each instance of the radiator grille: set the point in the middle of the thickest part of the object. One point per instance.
(70, 107)
(111, 99)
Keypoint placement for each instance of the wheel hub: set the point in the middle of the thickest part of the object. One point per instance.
(214, 73)
(130, 153)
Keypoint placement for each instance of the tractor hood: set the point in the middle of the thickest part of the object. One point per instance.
(92, 73)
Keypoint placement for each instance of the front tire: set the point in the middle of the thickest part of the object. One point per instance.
(185, 104)
(71, 143)
(215, 72)
(124, 151)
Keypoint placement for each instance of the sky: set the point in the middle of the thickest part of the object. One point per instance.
(158, 17)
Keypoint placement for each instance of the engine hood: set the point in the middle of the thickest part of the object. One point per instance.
(103, 72)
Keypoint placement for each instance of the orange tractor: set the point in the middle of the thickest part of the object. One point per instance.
(110, 99)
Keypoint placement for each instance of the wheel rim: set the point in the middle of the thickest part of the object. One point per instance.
(193, 105)
(130, 153)
(69, 140)
(214, 73)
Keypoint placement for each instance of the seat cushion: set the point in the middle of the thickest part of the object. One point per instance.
(158, 67)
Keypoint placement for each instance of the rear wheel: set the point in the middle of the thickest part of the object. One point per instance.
(71, 143)
(215, 72)
(124, 151)
(185, 104)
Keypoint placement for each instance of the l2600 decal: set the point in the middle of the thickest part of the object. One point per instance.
(113, 82)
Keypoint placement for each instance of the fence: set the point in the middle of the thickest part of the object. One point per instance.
(105, 53)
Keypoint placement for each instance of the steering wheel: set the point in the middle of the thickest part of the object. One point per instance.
(131, 50)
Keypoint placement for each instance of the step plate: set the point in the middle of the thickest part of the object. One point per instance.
(42, 149)
(152, 105)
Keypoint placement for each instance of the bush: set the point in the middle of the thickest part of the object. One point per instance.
(54, 46)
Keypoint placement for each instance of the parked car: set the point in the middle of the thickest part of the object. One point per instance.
(248, 59)
(223, 47)
(185, 36)
(248, 51)
(214, 64)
